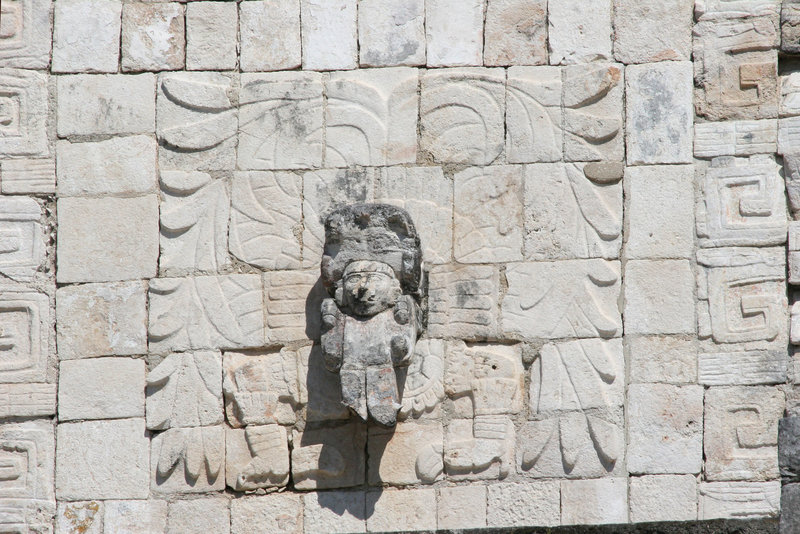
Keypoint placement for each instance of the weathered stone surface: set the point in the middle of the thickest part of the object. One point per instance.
(268, 513)
(288, 295)
(335, 511)
(153, 36)
(788, 135)
(534, 118)
(27, 31)
(206, 312)
(86, 36)
(660, 211)
(659, 297)
(27, 400)
(579, 33)
(791, 172)
(200, 515)
(410, 453)
(735, 138)
(488, 214)
(571, 213)
(329, 33)
(113, 104)
(665, 429)
(790, 92)
(280, 122)
(532, 503)
(573, 298)
(663, 498)
(256, 457)
(260, 388)
(22, 247)
(270, 34)
(26, 338)
(326, 458)
(185, 390)
(464, 301)
(114, 467)
(423, 390)
(741, 429)
(789, 447)
(658, 100)
(461, 114)
(646, 32)
(794, 328)
(122, 165)
(319, 388)
(101, 388)
(24, 111)
(743, 368)
(188, 460)
(454, 31)
(211, 35)
(107, 239)
(599, 501)
(515, 33)
(84, 517)
(405, 510)
(790, 28)
(131, 517)
(670, 360)
(790, 504)
(28, 450)
(28, 176)
(391, 32)
(739, 500)
(371, 117)
(720, 9)
(462, 507)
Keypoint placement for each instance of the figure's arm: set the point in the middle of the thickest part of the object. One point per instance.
(332, 336)
(407, 314)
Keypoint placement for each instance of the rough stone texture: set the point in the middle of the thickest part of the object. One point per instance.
(405, 510)
(515, 33)
(274, 513)
(101, 388)
(271, 35)
(735, 138)
(23, 251)
(200, 515)
(658, 297)
(461, 507)
(135, 516)
(153, 37)
(28, 176)
(211, 35)
(260, 388)
(647, 32)
(742, 368)
(514, 505)
(790, 504)
(329, 457)
(25, 113)
(329, 33)
(464, 301)
(256, 457)
(26, 41)
(454, 31)
(741, 500)
(391, 32)
(534, 118)
(86, 36)
(789, 446)
(188, 460)
(335, 511)
(663, 498)
(597, 501)
(410, 453)
(25, 351)
(579, 32)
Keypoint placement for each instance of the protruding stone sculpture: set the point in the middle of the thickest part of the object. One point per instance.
(372, 267)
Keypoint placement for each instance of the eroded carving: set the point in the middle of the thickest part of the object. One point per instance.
(329, 457)
(25, 33)
(21, 237)
(187, 460)
(463, 301)
(24, 338)
(424, 387)
(740, 500)
(23, 112)
(256, 457)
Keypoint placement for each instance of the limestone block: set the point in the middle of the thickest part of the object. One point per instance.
(739, 500)
(320, 392)
(670, 360)
(115, 466)
(24, 113)
(185, 390)
(594, 502)
(256, 457)
(743, 203)
(659, 112)
(121, 165)
(795, 324)
(515, 33)
(329, 31)
(790, 503)
(488, 214)
(742, 293)
(464, 301)
(267, 513)
(27, 31)
(22, 247)
(788, 135)
(715, 9)
(195, 210)
(28, 450)
(107, 239)
(197, 122)
(534, 118)
(188, 460)
(335, 512)
(735, 138)
(260, 388)
(410, 453)
(579, 32)
(135, 516)
(789, 447)
(407, 510)
(86, 36)
(454, 32)
(572, 298)
(206, 312)
(119, 104)
(665, 428)
(371, 117)
(82, 517)
(593, 117)
(524, 504)
(288, 295)
(462, 113)
(741, 432)
(153, 36)
(26, 339)
(658, 297)
(660, 211)
(489, 376)
(645, 32)
(423, 389)
(325, 458)
(27, 400)
(35, 176)
(281, 119)
(461, 507)
(736, 72)
(574, 211)
(101, 388)
(391, 32)
(270, 33)
(427, 195)
(482, 449)
(663, 498)
(743, 368)
(211, 35)
(200, 515)
(790, 28)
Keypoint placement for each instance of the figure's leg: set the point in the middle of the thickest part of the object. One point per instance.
(383, 400)
(353, 386)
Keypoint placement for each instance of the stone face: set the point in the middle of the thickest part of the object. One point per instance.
(335, 511)
(391, 33)
(647, 32)
(515, 505)
(23, 250)
(260, 388)
(670, 360)
(153, 36)
(659, 297)
(598, 501)
(735, 138)
(579, 33)
(659, 112)
(534, 118)
(26, 40)
(211, 35)
(407, 510)
(28, 176)
(199, 515)
(663, 498)
(133, 516)
(123, 165)
(256, 457)
(461, 507)
(107, 239)
(329, 457)
(270, 35)
(410, 453)
(454, 31)
(464, 301)
(27, 323)
(101, 388)
(740, 500)
(116, 467)
(272, 513)
(188, 460)
(329, 33)
(515, 33)
(743, 368)
(86, 36)
(24, 113)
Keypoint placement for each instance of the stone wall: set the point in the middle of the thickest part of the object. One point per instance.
(600, 187)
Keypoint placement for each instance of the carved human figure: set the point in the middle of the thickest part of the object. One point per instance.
(372, 269)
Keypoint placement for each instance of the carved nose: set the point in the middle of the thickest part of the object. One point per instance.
(362, 291)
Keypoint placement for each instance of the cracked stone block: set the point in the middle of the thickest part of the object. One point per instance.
(391, 32)
(401, 510)
(270, 34)
(454, 32)
(524, 504)
(329, 30)
(663, 498)
(594, 502)
(579, 32)
(461, 507)
(27, 31)
(268, 513)
(86, 36)
(515, 33)
(153, 37)
(101, 388)
(647, 32)
(659, 297)
(212, 35)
